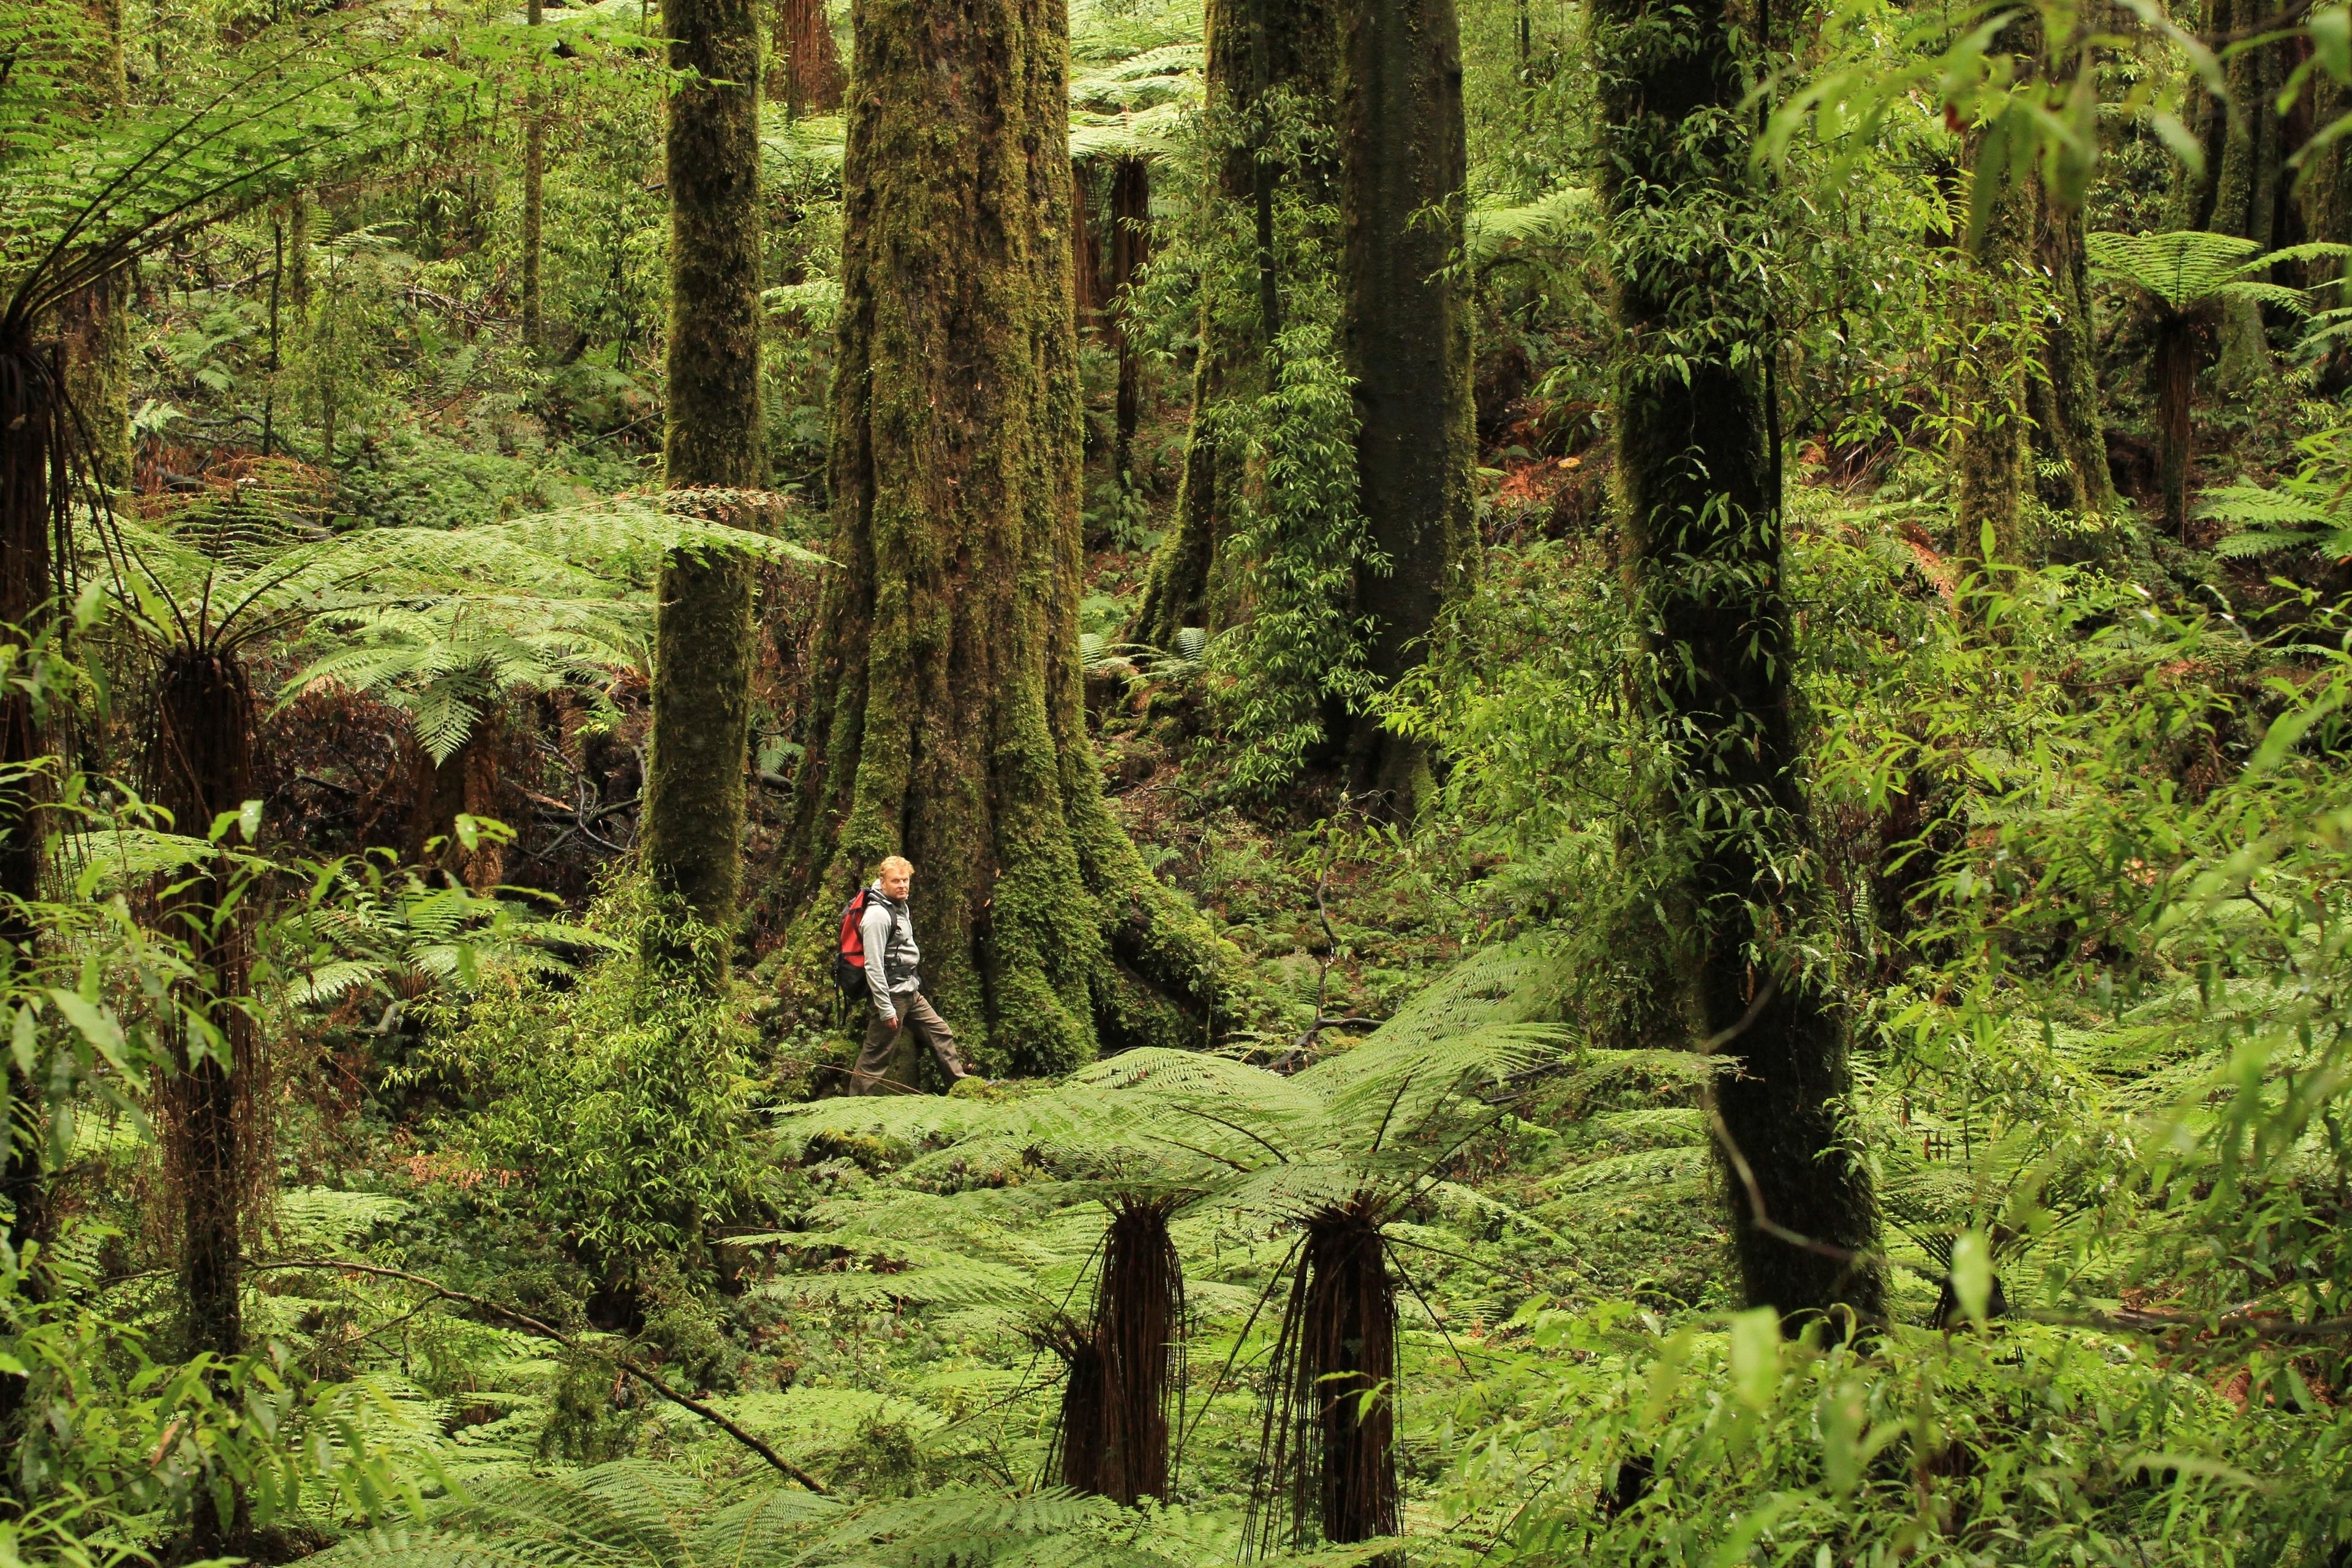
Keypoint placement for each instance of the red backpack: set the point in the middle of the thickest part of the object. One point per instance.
(849, 959)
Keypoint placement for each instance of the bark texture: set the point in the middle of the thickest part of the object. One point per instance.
(2069, 431)
(808, 62)
(1406, 335)
(29, 469)
(1700, 484)
(949, 725)
(1996, 347)
(200, 765)
(1331, 1413)
(1138, 1311)
(1254, 47)
(695, 782)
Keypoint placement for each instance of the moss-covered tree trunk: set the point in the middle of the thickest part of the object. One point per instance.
(1255, 47)
(693, 832)
(1700, 494)
(2068, 432)
(1991, 379)
(949, 723)
(2237, 190)
(1406, 335)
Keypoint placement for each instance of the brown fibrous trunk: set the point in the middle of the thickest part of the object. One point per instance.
(1139, 1310)
(201, 765)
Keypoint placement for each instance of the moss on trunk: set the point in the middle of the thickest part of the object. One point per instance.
(2069, 433)
(702, 656)
(1702, 510)
(1406, 335)
(1254, 47)
(949, 724)
(1996, 347)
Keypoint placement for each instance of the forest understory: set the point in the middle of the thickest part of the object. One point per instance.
(1623, 730)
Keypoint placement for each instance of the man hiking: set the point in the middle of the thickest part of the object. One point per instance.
(887, 930)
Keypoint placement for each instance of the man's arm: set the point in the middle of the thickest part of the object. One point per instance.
(875, 924)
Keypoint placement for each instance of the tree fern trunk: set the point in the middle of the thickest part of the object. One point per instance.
(28, 464)
(693, 832)
(200, 764)
(1703, 515)
(949, 720)
(1254, 47)
(1330, 1437)
(1139, 1310)
(1406, 334)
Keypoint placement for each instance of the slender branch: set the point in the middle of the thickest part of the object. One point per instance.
(547, 1331)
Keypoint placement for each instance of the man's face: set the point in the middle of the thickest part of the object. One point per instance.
(896, 882)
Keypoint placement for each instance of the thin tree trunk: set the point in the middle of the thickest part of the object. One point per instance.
(693, 832)
(96, 322)
(2068, 429)
(1406, 335)
(2179, 344)
(1254, 47)
(201, 765)
(1992, 379)
(28, 468)
(948, 723)
(534, 201)
(1085, 258)
(1131, 247)
(1700, 481)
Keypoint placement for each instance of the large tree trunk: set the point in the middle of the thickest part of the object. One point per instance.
(1700, 481)
(1254, 47)
(808, 58)
(1406, 335)
(702, 655)
(949, 723)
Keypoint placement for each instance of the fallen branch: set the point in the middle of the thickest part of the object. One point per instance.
(547, 1331)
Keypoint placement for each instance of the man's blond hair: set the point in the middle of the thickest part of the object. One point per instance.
(895, 863)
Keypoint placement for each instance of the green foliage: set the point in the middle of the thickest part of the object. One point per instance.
(1299, 656)
(618, 1103)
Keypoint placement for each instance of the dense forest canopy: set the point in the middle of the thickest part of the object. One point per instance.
(1616, 732)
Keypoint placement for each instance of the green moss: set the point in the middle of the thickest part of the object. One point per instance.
(694, 777)
(1703, 513)
(950, 711)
